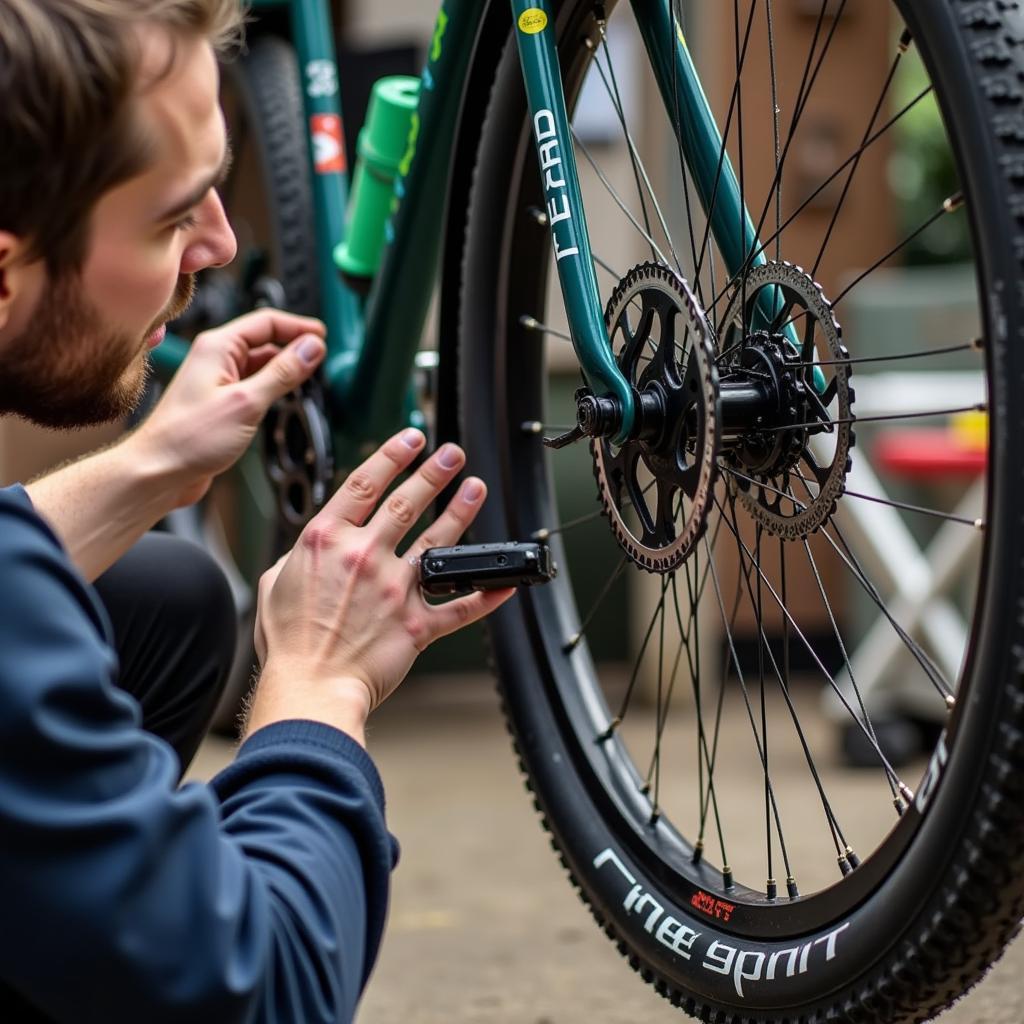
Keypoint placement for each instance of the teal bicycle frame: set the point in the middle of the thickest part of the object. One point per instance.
(372, 341)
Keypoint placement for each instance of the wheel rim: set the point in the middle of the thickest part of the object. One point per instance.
(624, 779)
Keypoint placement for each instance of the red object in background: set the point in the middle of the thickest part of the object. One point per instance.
(928, 454)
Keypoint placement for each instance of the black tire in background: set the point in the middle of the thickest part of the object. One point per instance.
(266, 85)
(931, 910)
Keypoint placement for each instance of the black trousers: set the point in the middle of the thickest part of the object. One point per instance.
(175, 629)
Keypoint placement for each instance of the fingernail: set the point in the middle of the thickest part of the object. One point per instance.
(473, 490)
(310, 350)
(450, 456)
(412, 439)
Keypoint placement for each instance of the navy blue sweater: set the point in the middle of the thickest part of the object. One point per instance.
(259, 897)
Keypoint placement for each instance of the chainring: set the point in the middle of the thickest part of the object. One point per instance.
(298, 455)
(665, 350)
(792, 483)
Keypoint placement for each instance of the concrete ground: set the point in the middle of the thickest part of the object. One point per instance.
(484, 928)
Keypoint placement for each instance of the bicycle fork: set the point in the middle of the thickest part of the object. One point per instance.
(611, 409)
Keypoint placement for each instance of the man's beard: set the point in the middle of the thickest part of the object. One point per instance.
(69, 370)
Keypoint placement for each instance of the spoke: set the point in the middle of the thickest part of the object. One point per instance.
(723, 292)
(699, 262)
(624, 707)
(951, 205)
(655, 813)
(533, 324)
(856, 163)
(574, 640)
(661, 715)
(764, 711)
(535, 427)
(842, 548)
(710, 798)
(934, 413)
(817, 660)
(801, 104)
(704, 756)
(852, 563)
(978, 524)
(775, 141)
(761, 483)
(607, 267)
(746, 700)
(544, 533)
(618, 199)
(803, 93)
(677, 124)
(836, 831)
(742, 226)
(864, 717)
(969, 346)
(639, 171)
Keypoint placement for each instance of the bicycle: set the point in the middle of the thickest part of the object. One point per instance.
(716, 412)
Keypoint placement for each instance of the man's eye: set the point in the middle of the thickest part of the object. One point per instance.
(186, 223)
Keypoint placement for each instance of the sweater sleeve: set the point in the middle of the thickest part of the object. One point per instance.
(259, 897)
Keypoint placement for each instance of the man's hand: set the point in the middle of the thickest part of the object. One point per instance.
(214, 405)
(341, 618)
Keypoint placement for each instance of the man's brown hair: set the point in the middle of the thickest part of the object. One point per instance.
(68, 74)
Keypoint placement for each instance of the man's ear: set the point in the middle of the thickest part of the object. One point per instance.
(16, 276)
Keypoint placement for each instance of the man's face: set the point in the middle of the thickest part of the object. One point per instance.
(74, 351)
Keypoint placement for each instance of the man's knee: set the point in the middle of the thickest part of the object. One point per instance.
(179, 587)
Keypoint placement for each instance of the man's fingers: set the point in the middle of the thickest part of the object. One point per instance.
(285, 371)
(447, 618)
(365, 485)
(258, 358)
(408, 502)
(270, 326)
(457, 517)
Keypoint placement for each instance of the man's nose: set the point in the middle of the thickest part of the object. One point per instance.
(214, 244)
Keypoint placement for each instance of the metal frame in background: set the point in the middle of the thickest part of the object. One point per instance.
(372, 342)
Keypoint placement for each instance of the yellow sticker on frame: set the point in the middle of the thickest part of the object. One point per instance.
(532, 21)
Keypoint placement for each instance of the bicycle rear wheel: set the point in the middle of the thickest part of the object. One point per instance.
(715, 839)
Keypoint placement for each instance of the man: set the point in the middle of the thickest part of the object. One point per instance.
(125, 898)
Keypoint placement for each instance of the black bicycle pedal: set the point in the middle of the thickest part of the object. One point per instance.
(467, 567)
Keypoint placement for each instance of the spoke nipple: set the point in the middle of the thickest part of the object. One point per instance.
(532, 427)
(899, 805)
(541, 534)
(773, 889)
(612, 726)
(954, 202)
(698, 852)
(906, 792)
(844, 864)
(791, 888)
(950, 701)
(590, 44)
(538, 215)
(727, 882)
(978, 343)
(905, 40)
(528, 322)
(653, 819)
(645, 789)
(979, 524)
(852, 858)
(571, 644)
